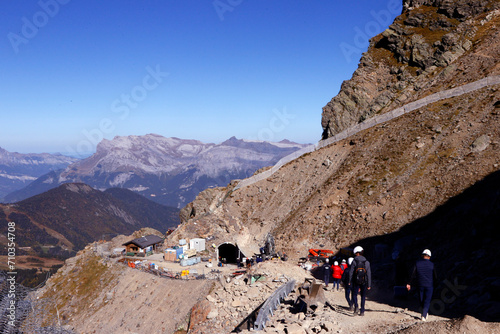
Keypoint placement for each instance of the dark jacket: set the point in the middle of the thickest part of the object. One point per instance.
(423, 274)
(355, 264)
(327, 269)
(345, 275)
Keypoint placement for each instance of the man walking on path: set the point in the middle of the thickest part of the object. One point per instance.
(347, 287)
(360, 279)
(425, 275)
(327, 272)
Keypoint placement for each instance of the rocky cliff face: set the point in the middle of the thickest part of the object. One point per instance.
(420, 51)
(418, 181)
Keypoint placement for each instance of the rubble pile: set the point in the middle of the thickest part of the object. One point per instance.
(236, 297)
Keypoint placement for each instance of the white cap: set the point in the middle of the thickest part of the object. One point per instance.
(343, 260)
(426, 252)
(358, 249)
(335, 263)
(327, 260)
(350, 260)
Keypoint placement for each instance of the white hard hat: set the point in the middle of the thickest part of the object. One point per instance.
(343, 260)
(327, 260)
(335, 263)
(426, 252)
(350, 260)
(358, 249)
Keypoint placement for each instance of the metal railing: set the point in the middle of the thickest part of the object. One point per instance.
(30, 315)
(272, 303)
(370, 122)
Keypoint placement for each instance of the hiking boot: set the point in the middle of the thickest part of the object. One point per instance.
(362, 313)
(355, 310)
(351, 308)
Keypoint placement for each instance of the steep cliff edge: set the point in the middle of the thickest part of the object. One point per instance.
(432, 45)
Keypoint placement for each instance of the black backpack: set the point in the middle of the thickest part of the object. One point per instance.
(360, 273)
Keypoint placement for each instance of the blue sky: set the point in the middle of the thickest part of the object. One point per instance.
(74, 72)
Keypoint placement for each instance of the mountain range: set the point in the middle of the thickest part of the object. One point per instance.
(63, 220)
(17, 170)
(170, 171)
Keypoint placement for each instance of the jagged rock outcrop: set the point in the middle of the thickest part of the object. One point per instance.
(459, 9)
(401, 63)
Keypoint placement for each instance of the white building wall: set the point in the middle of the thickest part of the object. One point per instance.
(198, 244)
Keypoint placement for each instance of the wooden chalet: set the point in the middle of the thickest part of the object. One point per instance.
(144, 246)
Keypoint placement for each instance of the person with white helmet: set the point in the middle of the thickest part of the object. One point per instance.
(327, 272)
(337, 275)
(360, 279)
(343, 265)
(425, 275)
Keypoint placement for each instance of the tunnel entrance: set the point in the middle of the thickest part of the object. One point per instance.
(229, 253)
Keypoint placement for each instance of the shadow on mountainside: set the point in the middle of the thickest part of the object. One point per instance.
(463, 237)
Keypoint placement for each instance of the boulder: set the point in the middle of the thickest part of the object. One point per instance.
(295, 329)
(481, 143)
(199, 313)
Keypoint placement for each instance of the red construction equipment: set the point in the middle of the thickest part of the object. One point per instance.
(319, 253)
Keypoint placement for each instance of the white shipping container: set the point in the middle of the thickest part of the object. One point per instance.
(198, 244)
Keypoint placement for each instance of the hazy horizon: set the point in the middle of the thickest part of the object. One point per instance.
(74, 73)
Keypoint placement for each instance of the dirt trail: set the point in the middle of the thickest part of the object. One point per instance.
(382, 315)
(335, 317)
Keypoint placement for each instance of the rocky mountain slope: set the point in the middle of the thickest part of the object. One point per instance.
(58, 223)
(399, 187)
(119, 299)
(428, 179)
(169, 171)
(17, 170)
(433, 45)
(109, 297)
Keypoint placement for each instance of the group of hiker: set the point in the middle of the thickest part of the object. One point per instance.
(355, 274)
